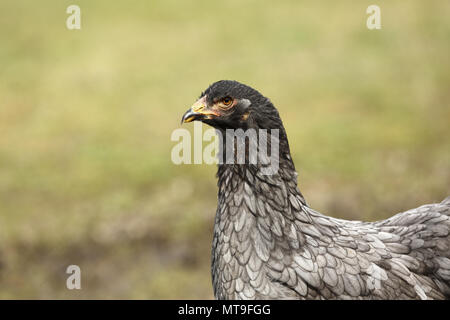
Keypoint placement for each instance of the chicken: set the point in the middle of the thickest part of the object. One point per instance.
(269, 244)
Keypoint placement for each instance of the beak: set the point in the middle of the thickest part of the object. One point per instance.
(189, 116)
(199, 111)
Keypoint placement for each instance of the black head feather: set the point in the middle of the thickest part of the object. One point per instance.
(252, 109)
(245, 109)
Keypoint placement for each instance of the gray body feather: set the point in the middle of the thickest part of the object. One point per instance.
(268, 244)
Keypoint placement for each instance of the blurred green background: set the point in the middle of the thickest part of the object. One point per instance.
(86, 118)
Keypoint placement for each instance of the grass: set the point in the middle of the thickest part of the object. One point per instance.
(86, 118)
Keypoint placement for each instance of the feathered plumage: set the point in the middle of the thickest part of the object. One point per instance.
(269, 244)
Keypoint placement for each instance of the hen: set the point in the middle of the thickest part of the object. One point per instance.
(269, 244)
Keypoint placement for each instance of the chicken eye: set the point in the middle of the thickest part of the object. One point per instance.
(227, 101)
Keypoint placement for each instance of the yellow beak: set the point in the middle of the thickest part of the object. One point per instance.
(198, 111)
